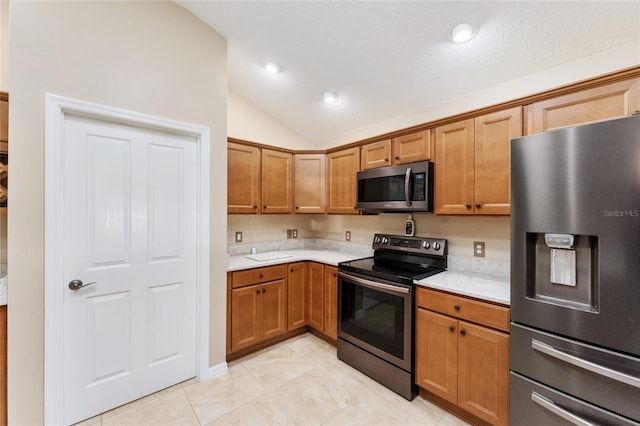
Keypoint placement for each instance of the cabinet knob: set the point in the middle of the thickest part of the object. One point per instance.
(478, 205)
(291, 270)
(397, 158)
(468, 206)
(260, 276)
(452, 328)
(264, 290)
(386, 160)
(264, 207)
(258, 291)
(255, 206)
(297, 207)
(456, 307)
(463, 332)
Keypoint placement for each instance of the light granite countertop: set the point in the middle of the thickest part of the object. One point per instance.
(464, 276)
(486, 288)
(330, 257)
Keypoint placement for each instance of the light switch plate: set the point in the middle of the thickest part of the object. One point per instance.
(478, 248)
(289, 234)
(238, 236)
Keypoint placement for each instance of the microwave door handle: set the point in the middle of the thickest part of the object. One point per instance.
(407, 180)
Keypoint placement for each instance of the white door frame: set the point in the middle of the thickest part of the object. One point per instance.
(56, 107)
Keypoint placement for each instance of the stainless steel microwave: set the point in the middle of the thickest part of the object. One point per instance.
(403, 188)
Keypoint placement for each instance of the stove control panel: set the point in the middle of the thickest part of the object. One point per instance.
(419, 245)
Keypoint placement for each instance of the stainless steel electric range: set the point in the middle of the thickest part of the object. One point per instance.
(376, 307)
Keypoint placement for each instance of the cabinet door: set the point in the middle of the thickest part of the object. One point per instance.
(342, 169)
(454, 192)
(412, 148)
(613, 100)
(297, 295)
(437, 354)
(316, 295)
(493, 133)
(376, 154)
(246, 316)
(330, 314)
(483, 372)
(309, 171)
(274, 302)
(243, 178)
(277, 179)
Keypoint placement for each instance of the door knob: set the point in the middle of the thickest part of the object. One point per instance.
(77, 284)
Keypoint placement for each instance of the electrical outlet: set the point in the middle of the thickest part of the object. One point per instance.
(289, 234)
(478, 248)
(347, 235)
(294, 233)
(238, 236)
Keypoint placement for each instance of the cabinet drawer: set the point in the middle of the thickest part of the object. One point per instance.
(461, 307)
(257, 275)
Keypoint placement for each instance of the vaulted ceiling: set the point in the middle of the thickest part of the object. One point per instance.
(388, 59)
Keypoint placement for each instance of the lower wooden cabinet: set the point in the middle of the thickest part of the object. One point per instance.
(258, 300)
(464, 361)
(330, 302)
(316, 295)
(298, 288)
(263, 303)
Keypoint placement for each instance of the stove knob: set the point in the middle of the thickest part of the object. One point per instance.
(436, 246)
(426, 245)
(377, 240)
(385, 240)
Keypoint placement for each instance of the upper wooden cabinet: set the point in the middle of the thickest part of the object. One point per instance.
(342, 181)
(277, 178)
(375, 154)
(412, 148)
(400, 150)
(309, 183)
(615, 100)
(243, 178)
(473, 164)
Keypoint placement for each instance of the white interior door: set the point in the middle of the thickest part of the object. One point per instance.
(129, 226)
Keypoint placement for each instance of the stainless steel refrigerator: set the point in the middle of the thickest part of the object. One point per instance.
(575, 276)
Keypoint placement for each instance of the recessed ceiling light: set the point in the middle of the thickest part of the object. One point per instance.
(330, 98)
(462, 33)
(273, 67)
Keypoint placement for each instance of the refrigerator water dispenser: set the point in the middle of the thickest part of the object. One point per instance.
(563, 270)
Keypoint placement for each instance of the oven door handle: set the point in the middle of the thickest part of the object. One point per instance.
(407, 180)
(375, 285)
(584, 364)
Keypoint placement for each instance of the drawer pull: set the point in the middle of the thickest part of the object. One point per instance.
(264, 290)
(452, 328)
(463, 332)
(258, 291)
(457, 308)
(261, 276)
(584, 364)
(549, 405)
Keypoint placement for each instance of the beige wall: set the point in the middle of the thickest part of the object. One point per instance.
(612, 60)
(150, 57)
(460, 231)
(247, 122)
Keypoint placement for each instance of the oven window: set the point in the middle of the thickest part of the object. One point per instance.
(374, 317)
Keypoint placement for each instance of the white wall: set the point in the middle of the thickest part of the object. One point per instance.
(151, 57)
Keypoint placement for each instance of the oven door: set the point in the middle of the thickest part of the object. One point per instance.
(377, 317)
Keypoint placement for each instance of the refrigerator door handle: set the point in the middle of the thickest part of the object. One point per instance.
(549, 405)
(584, 364)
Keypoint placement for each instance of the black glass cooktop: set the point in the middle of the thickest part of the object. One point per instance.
(400, 272)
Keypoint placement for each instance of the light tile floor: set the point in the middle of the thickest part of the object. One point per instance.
(297, 382)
